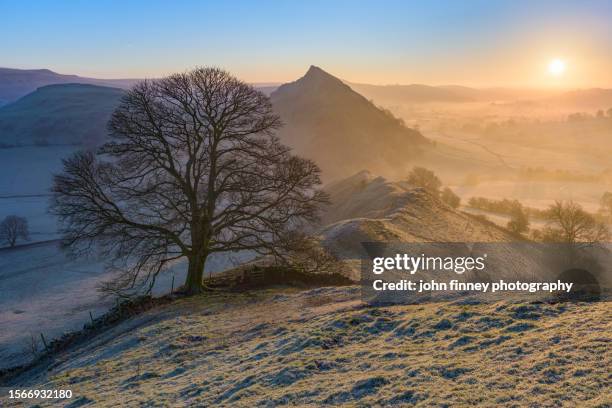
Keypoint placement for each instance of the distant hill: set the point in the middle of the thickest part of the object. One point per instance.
(15, 83)
(580, 99)
(59, 115)
(414, 93)
(594, 98)
(266, 88)
(419, 94)
(342, 131)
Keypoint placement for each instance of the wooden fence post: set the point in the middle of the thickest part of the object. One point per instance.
(44, 341)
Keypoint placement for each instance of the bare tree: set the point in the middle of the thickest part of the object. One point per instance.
(569, 223)
(13, 228)
(193, 168)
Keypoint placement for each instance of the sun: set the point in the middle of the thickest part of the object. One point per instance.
(556, 67)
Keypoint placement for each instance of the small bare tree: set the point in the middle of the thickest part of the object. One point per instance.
(193, 168)
(570, 224)
(13, 228)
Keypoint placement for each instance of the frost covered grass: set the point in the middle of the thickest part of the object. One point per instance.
(43, 290)
(325, 347)
(25, 183)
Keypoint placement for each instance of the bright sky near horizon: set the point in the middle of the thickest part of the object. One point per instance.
(471, 42)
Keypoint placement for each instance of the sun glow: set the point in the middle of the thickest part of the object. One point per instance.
(556, 67)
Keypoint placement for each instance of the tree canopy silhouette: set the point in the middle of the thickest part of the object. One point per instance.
(193, 168)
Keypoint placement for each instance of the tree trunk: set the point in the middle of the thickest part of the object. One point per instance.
(195, 272)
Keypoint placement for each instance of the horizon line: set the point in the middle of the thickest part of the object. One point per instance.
(524, 87)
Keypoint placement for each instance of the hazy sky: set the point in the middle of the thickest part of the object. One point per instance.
(507, 43)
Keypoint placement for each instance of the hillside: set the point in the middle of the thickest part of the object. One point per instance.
(341, 130)
(324, 347)
(366, 208)
(414, 93)
(412, 212)
(15, 83)
(59, 115)
(417, 94)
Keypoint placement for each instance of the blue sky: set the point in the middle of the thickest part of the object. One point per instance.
(468, 42)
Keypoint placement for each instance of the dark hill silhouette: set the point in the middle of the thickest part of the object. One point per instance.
(342, 131)
(59, 115)
(15, 83)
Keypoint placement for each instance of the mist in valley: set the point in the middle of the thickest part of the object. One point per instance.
(532, 146)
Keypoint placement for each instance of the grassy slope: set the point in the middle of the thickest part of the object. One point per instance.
(323, 346)
(59, 114)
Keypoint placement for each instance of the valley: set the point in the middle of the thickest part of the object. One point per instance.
(366, 149)
(306, 204)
